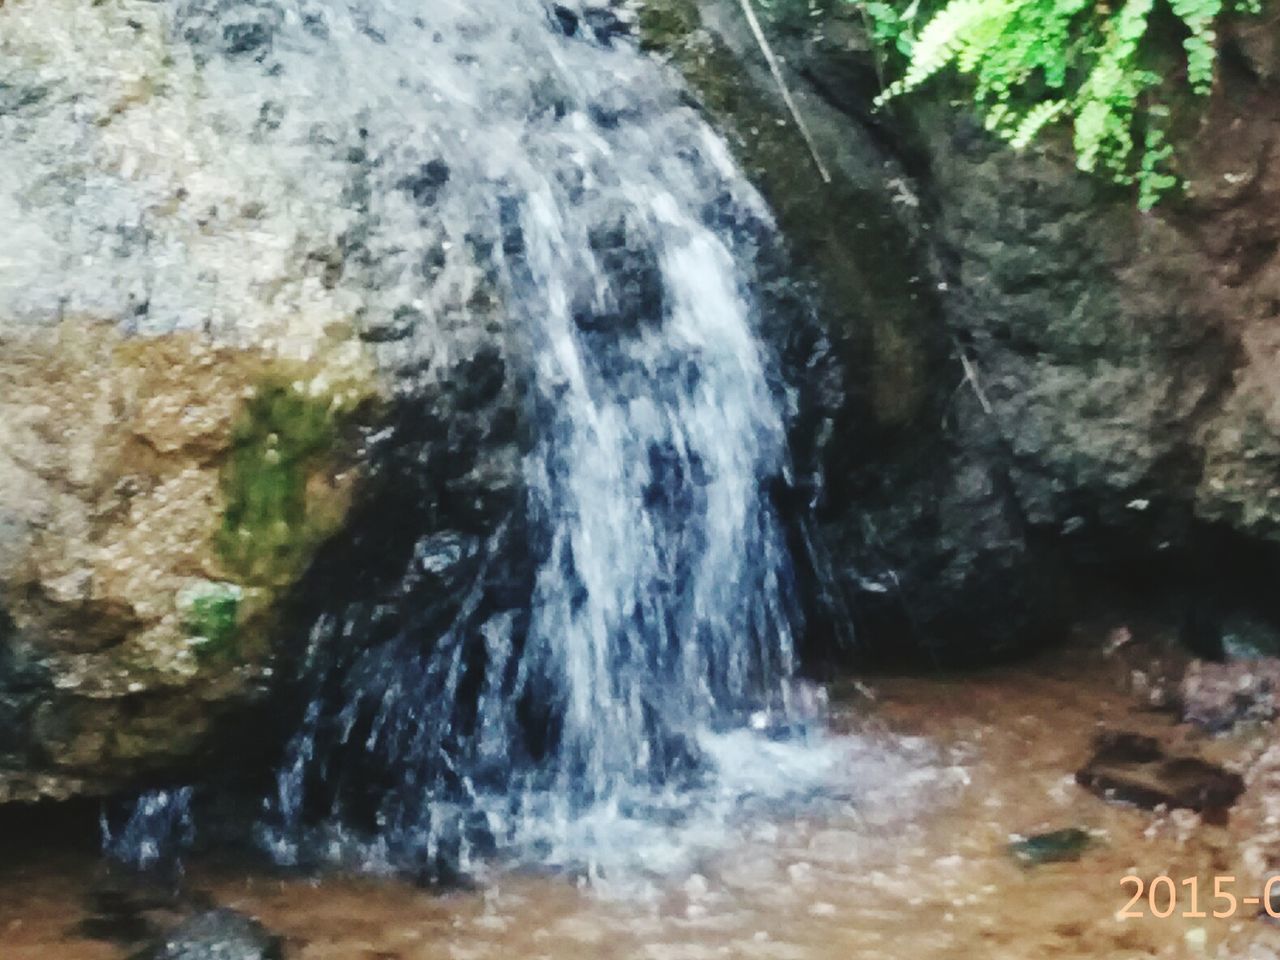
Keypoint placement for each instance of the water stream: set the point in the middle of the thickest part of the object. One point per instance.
(533, 154)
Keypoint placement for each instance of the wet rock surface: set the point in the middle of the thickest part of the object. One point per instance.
(206, 360)
(216, 935)
(1067, 387)
(1217, 696)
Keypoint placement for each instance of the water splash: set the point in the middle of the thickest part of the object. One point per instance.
(158, 831)
(515, 152)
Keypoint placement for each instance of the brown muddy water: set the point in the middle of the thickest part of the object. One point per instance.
(914, 865)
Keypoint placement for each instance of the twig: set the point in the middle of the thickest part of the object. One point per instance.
(971, 374)
(776, 69)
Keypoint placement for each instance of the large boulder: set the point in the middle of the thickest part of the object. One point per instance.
(226, 305)
(1043, 386)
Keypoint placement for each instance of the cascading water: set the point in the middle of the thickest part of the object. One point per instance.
(160, 828)
(531, 153)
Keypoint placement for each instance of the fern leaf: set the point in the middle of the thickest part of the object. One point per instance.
(1036, 120)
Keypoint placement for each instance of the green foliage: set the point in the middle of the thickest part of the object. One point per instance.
(1035, 63)
(211, 613)
(281, 437)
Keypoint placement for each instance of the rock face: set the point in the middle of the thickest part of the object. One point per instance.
(1041, 382)
(217, 323)
(253, 353)
(1217, 696)
(142, 561)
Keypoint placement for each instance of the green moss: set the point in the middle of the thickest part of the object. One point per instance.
(211, 614)
(665, 25)
(269, 528)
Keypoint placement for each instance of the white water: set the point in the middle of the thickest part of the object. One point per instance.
(457, 149)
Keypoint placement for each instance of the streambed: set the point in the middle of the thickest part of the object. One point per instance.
(905, 855)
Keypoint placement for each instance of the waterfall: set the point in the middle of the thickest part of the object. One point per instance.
(529, 155)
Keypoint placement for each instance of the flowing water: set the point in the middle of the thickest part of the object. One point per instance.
(938, 777)
(619, 762)
(534, 155)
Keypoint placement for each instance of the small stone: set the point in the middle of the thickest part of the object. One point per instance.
(1134, 769)
(1057, 846)
(1217, 696)
(217, 935)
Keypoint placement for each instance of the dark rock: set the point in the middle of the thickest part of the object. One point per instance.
(217, 935)
(1131, 768)
(426, 184)
(116, 928)
(399, 326)
(605, 23)
(130, 909)
(1249, 637)
(635, 292)
(242, 38)
(478, 380)
(566, 19)
(1217, 696)
(1000, 315)
(1201, 631)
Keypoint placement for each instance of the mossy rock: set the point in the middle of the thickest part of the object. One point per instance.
(211, 617)
(283, 439)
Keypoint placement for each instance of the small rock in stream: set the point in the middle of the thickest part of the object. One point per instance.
(1217, 696)
(1134, 769)
(1057, 846)
(216, 935)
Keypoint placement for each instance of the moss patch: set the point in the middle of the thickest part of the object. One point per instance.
(211, 615)
(271, 523)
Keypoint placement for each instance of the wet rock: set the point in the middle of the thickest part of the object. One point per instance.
(1057, 846)
(567, 19)
(606, 23)
(425, 185)
(1217, 696)
(1131, 768)
(400, 325)
(1247, 637)
(138, 572)
(185, 426)
(1113, 375)
(124, 929)
(634, 294)
(1259, 45)
(217, 935)
(918, 530)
